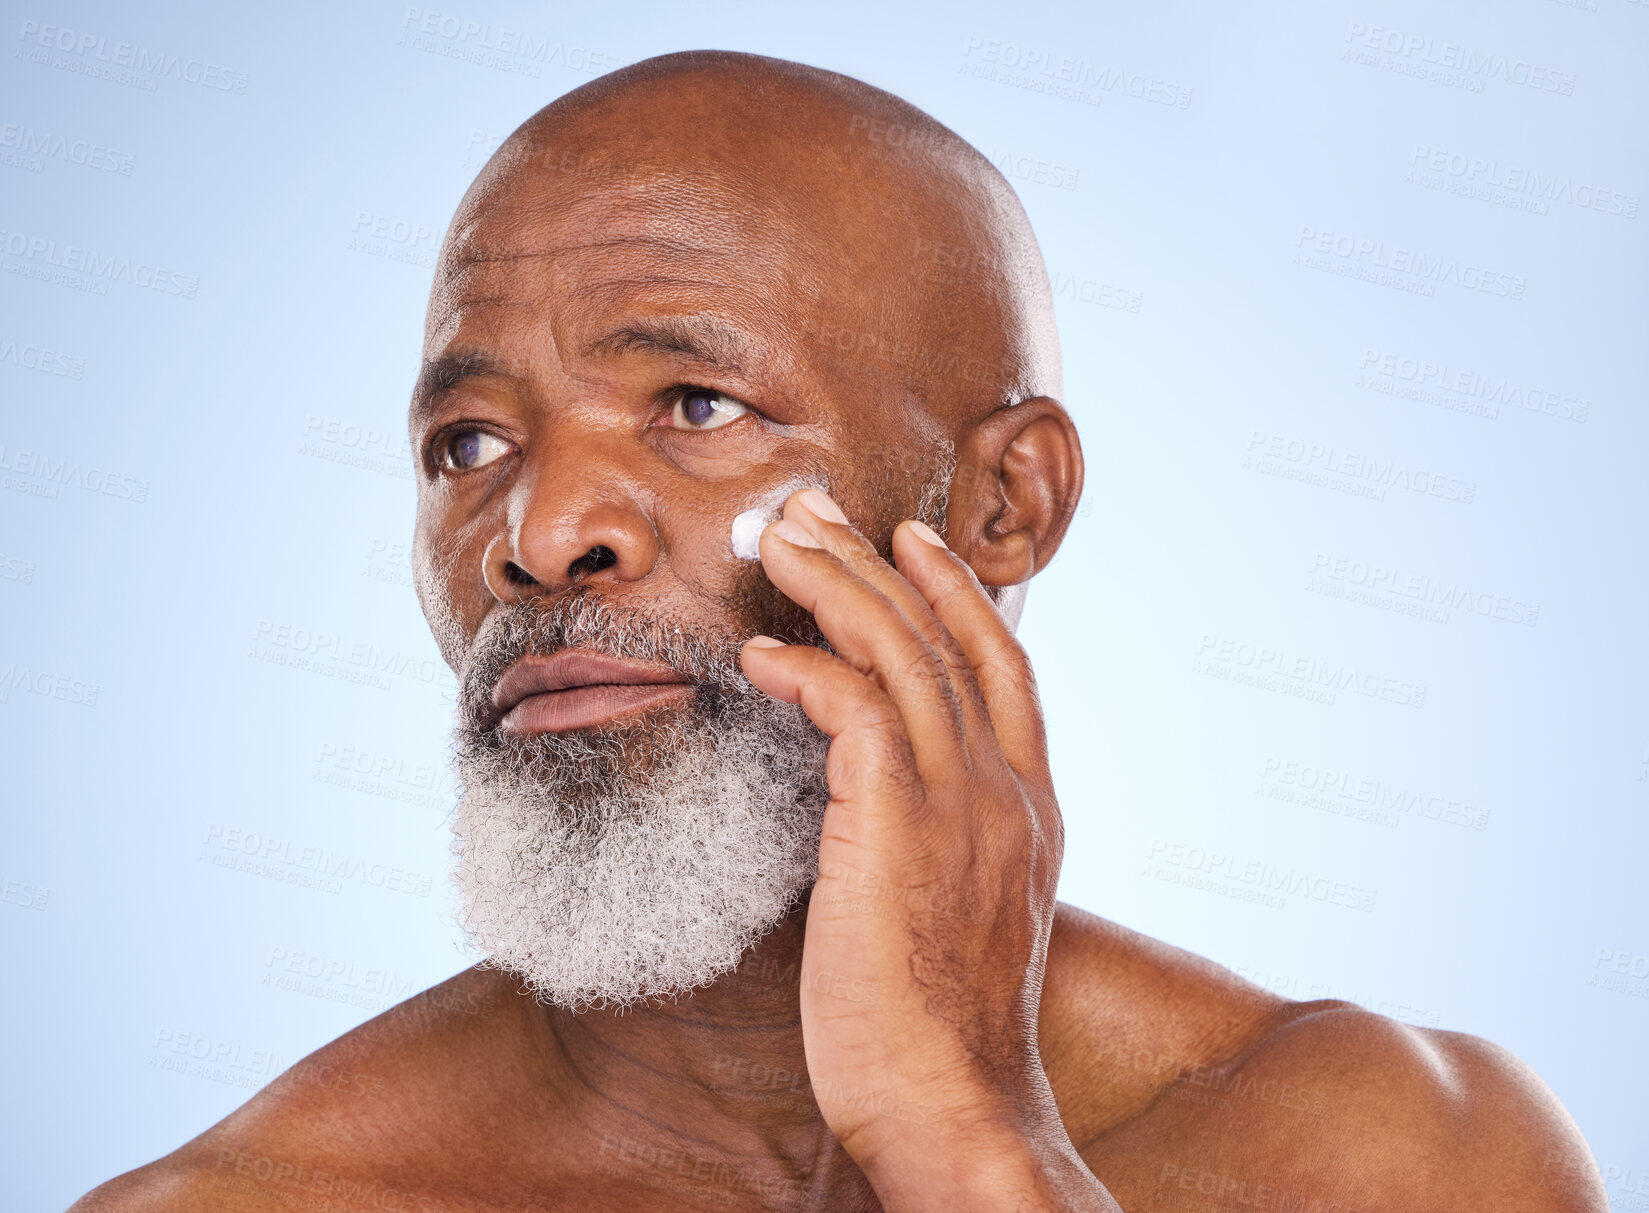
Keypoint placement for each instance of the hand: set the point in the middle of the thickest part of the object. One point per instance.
(928, 928)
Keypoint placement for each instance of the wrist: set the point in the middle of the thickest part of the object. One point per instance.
(982, 1165)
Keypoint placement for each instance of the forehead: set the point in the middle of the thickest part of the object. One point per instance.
(815, 246)
(557, 247)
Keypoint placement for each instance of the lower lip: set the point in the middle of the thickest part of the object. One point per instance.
(587, 706)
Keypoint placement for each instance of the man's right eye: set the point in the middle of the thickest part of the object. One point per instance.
(466, 450)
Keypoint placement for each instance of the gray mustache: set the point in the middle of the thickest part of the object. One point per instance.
(586, 619)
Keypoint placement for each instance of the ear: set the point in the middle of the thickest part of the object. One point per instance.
(1017, 482)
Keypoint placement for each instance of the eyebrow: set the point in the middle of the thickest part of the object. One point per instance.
(447, 372)
(699, 339)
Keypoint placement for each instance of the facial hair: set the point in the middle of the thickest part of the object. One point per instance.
(640, 860)
(612, 865)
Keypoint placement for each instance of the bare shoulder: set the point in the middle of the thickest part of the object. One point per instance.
(1125, 1016)
(351, 1125)
(1393, 1117)
(1243, 1098)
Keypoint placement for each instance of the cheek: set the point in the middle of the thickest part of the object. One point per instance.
(737, 591)
(450, 589)
(697, 538)
(758, 605)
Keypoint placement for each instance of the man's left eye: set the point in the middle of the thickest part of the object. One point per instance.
(466, 450)
(702, 409)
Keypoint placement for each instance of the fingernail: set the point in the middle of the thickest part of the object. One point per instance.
(792, 532)
(764, 642)
(925, 533)
(819, 502)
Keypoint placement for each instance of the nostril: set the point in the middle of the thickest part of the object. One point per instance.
(516, 575)
(593, 561)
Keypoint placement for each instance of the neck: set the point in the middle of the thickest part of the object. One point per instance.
(713, 1082)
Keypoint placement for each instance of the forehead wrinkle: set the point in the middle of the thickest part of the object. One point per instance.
(672, 245)
(476, 254)
(526, 217)
(568, 263)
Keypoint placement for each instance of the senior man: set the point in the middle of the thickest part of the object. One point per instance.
(762, 852)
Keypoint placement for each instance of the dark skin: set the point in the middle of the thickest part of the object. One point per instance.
(931, 1029)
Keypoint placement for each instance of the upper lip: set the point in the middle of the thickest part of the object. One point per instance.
(534, 675)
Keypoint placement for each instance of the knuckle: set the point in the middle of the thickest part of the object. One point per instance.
(916, 662)
(1013, 663)
(949, 648)
(878, 715)
(949, 587)
(877, 761)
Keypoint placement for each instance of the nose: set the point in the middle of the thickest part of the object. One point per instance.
(569, 525)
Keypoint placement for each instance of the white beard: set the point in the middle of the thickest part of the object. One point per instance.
(640, 861)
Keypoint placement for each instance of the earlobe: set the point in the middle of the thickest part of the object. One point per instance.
(1017, 483)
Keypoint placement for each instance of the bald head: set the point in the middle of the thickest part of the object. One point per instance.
(904, 257)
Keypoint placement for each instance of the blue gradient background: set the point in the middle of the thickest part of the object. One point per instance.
(264, 416)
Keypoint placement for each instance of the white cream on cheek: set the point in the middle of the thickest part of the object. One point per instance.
(749, 525)
(747, 533)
